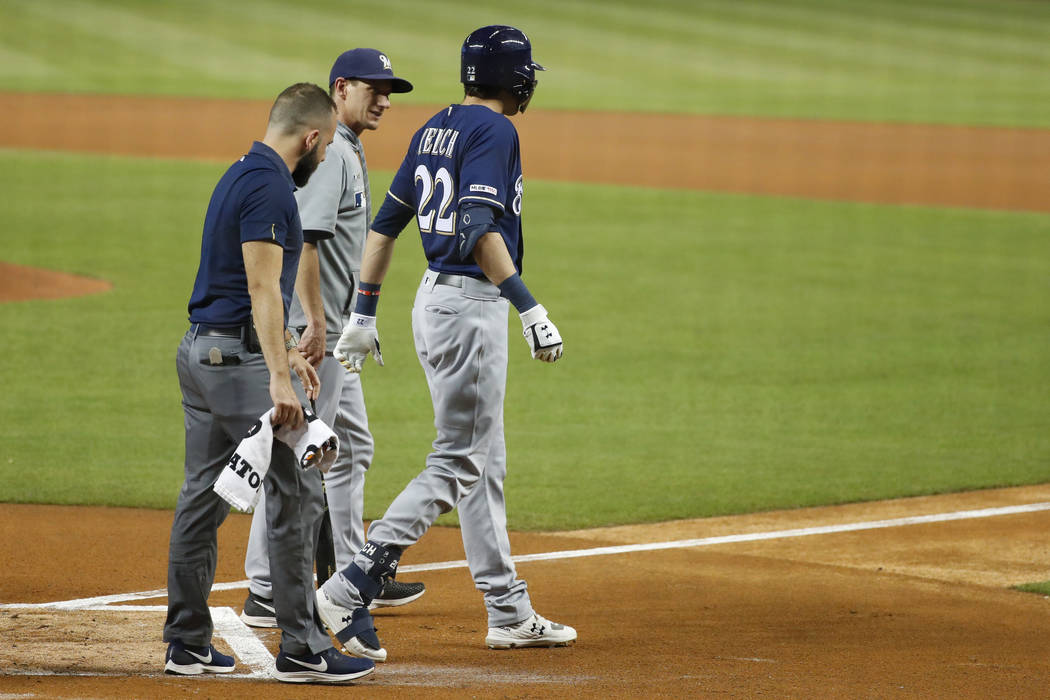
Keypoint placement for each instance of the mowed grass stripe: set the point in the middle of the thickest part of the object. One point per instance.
(980, 62)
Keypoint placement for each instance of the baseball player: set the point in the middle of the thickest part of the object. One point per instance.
(461, 180)
(234, 364)
(335, 210)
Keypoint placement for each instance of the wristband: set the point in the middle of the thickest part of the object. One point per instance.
(367, 299)
(513, 289)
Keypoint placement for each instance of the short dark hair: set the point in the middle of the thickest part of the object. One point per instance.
(485, 92)
(301, 106)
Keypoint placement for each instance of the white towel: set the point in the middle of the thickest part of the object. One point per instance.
(314, 445)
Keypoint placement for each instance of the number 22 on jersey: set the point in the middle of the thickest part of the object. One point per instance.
(434, 216)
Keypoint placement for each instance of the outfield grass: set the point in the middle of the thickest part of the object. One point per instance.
(724, 353)
(1041, 587)
(951, 61)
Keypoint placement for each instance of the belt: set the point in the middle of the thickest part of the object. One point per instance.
(244, 333)
(219, 331)
(449, 280)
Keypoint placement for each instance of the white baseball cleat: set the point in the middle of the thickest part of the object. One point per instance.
(535, 631)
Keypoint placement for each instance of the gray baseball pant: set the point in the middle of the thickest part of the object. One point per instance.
(220, 403)
(461, 340)
(341, 405)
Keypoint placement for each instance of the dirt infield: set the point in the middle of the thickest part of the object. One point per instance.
(907, 610)
(994, 168)
(795, 604)
(21, 283)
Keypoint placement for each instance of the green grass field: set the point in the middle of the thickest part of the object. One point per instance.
(958, 61)
(724, 353)
(786, 352)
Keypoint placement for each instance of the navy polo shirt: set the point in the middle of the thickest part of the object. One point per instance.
(253, 201)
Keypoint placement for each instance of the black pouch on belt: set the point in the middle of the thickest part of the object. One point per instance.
(251, 339)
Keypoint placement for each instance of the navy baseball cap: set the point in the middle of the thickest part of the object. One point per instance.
(367, 64)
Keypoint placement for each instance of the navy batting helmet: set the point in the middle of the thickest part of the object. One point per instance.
(500, 56)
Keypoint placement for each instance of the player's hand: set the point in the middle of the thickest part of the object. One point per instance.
(359, 338)
(306, 373)
(541, 334)
(312, 344)
(287, 409)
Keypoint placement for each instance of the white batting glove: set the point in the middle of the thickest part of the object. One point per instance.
(541, 334)
(359, 338)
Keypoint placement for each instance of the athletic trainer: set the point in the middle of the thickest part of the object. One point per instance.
(234, 365)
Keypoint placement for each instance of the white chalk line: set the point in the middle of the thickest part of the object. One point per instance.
(251, 651)
(245, 645)
(110, 600)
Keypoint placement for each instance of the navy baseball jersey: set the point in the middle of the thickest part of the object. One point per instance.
(253, 201)
(464, 154)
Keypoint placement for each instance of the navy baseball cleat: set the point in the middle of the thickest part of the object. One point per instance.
(327, 667)
(353, 628)
(185, 660)
(258, 611)
(395, 593)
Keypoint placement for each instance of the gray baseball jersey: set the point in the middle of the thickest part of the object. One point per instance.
(336, 202)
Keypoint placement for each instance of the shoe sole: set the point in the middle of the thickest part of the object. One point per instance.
(253, 621)
(319, 676)
(395, 602)
(529, 643)
(194, 669)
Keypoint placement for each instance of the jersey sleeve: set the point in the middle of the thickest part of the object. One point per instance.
(319, 200)
(403, 186)
(486, 171)
(266, 211)
(400, 203)
(392, 218)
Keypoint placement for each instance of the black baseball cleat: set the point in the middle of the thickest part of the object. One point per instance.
(395, 593)
(184, 660)
(327, 667)
(258, 611)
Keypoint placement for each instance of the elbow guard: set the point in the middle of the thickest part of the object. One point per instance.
(475, 221)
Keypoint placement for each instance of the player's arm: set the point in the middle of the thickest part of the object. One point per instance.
(318, 204)
(360, 337)
(308, 289)
(262, 267)
(491, 254)
(375, 261)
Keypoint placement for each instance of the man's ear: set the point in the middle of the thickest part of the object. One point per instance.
(339, 91)
(310, 140)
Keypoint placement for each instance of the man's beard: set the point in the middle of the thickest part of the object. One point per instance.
(306, 166)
